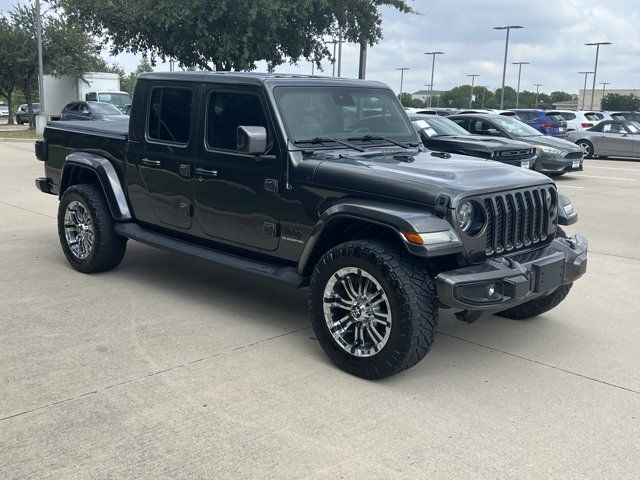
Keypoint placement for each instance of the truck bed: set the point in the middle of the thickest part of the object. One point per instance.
(105, 138)
(116, 128)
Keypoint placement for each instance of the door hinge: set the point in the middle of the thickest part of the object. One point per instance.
(271, 185)
(270, 229)
(186, 208)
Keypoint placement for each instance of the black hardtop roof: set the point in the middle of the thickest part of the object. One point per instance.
(258, 78)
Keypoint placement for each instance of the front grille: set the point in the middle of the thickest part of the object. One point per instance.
(573, 155)
(514, 154)
(517, 220)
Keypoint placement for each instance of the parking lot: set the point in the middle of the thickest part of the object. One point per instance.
(170, 367)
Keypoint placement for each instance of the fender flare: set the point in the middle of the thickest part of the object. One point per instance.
(107, 176)
(399, 218)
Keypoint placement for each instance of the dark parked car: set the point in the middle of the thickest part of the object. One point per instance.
(443, 135)
(320, 183)
(91, 111)
(442, 112)
(548, 124)
(556, 156)
(609, 138)
(629, 116)
(22, 114)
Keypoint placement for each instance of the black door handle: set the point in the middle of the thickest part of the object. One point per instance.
(150, 163)
(203, 172)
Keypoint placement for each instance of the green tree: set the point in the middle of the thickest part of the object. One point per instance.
(129, 83)
(408, 101)
(616, 101)
(8, 79)
(66, 49)
(230, 34)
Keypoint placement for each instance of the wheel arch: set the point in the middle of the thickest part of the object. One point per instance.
(84, 167)
(353, 220)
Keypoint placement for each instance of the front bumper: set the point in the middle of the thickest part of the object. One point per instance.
(547, 163)
(503, 282)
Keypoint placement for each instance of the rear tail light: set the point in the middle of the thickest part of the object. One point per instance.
(549, 125)
(586, 125)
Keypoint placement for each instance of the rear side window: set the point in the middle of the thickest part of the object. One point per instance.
(566, 115)
(226, 111)
(170, 115)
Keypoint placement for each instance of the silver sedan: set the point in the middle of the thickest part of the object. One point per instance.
(614, 138)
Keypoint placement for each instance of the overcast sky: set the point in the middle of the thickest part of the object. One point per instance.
(553, 41)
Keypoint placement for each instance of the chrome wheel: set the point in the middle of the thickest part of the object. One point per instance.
(357, 312)
(586, 148)
(78, 230)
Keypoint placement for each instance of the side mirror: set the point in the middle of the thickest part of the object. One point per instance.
(252, 140)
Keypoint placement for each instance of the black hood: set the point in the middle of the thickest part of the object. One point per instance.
(480, 143)
(423, 178)
(554, 142)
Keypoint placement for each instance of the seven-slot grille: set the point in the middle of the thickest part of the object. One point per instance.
(517, 220)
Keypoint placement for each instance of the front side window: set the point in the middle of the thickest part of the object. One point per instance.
(170, 114)
(226, 111)
(342, 113)
(480, 127)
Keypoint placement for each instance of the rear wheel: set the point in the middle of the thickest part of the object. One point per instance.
(541, 305)
(85, 228)
(587, 148)
(373, 308)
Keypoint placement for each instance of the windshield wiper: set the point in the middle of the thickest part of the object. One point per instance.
(368, 138)
(318, 140)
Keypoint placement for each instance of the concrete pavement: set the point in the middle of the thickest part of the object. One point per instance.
(168, 367)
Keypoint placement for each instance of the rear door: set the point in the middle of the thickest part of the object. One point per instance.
(162, 191)
(236, 195)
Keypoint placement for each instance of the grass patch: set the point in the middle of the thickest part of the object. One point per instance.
(28, 134)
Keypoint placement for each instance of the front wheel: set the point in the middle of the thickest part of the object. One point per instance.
(587, 148)
(85, 228)
(373, 308)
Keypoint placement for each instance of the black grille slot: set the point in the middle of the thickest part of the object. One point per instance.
(516, 220)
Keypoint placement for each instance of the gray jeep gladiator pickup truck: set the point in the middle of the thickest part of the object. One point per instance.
(321, 183)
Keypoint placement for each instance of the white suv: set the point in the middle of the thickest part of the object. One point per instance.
(578, 119)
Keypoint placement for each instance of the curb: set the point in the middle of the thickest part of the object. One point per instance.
(25, 140)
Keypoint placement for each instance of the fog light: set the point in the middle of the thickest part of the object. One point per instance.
(491, 289)
(482, 292)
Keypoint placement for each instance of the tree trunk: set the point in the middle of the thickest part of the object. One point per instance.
(10, 106)
(27, 96)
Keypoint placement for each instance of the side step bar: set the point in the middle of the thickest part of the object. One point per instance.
(133, 231)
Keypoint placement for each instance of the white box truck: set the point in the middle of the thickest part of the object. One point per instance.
(96, 86)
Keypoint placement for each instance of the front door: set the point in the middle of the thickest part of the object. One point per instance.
(235, 194)
(162, 190)
(615, 140)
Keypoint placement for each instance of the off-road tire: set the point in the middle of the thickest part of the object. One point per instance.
(108, 248)
(411, 292)
(541, 305)
(587, 147)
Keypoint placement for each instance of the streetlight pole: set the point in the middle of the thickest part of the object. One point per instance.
(402, 69)
(504, 67)
(584, 89)
(519, 73)
(339, 52)
(433, 66)
(595, 68)
(40, 64)
(604, 85)
(333, 59)
(473, 77)
(538, 85)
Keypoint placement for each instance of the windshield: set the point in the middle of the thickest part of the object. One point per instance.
(438, 126)
(117, 99)
(104, 108)
(516, 127)
(341, 113)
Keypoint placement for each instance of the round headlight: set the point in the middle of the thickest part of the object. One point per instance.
(466, 215)
(552, 203)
